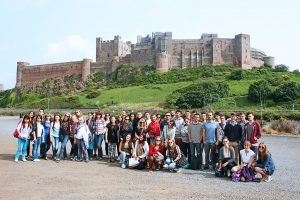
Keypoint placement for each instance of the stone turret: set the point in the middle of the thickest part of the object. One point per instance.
(162, 62)
(86, 69)
(269, 60)
(20, 67)
(98, 48)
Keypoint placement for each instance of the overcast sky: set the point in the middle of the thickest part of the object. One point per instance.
(47, 31)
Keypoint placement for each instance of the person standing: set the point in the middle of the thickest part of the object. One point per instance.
(179, 124)
(65, 133)
(195, 140)
(185, 139)
(211, 131)
(82, 139)
(24, 130)
(153, 129)
(37, 130)
(252, 132)
(233, 131)
(54, 133)
(100, 128)
(46, 139)
(111, 138)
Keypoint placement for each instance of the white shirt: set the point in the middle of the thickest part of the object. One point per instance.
(246, 157)
(39, 130)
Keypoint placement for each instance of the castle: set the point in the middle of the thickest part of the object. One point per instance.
(159, 50)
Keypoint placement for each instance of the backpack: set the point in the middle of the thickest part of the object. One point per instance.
(196, 163)
(235, 177)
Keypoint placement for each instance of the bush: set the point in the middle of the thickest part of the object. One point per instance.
(93, 94)
(97, 77)
(281, 68)
(259, 91)
(237, 75)
(285, 126)
(197, 95)
(287, 92)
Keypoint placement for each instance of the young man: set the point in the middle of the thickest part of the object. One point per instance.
(195, 139)
(252, 132)
(233, 131)
(211, 132)
(179, 124)
(153, 129)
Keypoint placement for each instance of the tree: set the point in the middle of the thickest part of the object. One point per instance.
(281, 68)
(237, 75)
(287, 92)
(197, 95)
(259, 91)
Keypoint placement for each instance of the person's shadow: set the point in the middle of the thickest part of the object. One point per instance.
(7, 157)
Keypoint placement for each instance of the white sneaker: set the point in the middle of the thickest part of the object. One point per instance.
(36, 160)
(24, 160)
(268, 179)
(123, 166)
(16, 160)
(166, 166)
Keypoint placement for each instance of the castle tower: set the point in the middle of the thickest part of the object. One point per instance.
(117, 46)
(269, 60)
(162, 62)
(98, 49)
(86, 69)
(20, 67)
(243, 51)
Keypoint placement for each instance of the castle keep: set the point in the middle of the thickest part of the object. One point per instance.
(160, 50)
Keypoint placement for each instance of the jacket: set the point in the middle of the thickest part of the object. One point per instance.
(256, 132)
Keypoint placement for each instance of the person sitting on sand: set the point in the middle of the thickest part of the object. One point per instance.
(155, 155)
(126, 150)
(141, 150)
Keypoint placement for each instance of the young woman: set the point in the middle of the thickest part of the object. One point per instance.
(155, 155)
(46, 139)
(141, 150)
(74, 148)
(125, 128)
(175, 158)
(24, 130)
(247, 158)
(141, 129)
(265, 165)
(100, 129)
(226, 158)
(111, 138)
(185, 139)
(38, 130)
(90, 122)
(30, 138)
(54, 132)
(82, 136)
(65, 129)
(169, 132)
(126, 150)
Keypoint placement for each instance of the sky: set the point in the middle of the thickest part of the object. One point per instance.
(51, 31)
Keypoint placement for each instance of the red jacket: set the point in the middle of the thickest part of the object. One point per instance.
(256, 132)
(154, 129)
(152, 150)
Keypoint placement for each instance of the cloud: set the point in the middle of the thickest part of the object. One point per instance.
(74, 47)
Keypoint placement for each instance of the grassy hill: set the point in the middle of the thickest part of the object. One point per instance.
(143, 88)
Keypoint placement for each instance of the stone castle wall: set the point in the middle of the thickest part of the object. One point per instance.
(160, 50)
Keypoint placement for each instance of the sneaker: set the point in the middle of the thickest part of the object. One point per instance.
(46, 158)
(34, 160)
(123, 166)
(268, 179)
(57, 160)
(166, 166)
(24, 160)
(228, 173)
(16, 160)
(177, 170)
(150, 170)
(243, 179)
(100, 158)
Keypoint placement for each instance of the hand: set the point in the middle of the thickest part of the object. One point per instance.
(224, 164)
(106, 141)
(255, 138)
(135, 157)
(74, 141)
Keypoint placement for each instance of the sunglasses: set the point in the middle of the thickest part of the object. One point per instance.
(170, 142)
(126, 119)
(157, 140)
(261, 147)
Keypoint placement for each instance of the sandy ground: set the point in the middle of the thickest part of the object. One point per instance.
(100, 180)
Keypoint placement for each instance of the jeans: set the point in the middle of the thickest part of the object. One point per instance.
(112, 149)
(22, 148)
(82, 149)
(186, 150)
(122, 157)
(199, 149)
(74, 148)
(28, 147)
(255, 149)
(55, 142)
(35, 148)
(65, 139)
(171, 165)
(45, 146)
(210, 150)
(99, 139)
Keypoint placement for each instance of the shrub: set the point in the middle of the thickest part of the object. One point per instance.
(93, 94)
(197, 95)
(287, 92)
(285, 126)
(97, 77)
(237, 75)
(281, 68)
(259, 91)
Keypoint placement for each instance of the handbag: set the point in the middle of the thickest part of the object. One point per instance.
(132, 162)
(235, 177)
(16, 134)
(248, 174)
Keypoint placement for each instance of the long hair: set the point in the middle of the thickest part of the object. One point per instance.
(23, 122)
(130, 144)
(262, 155)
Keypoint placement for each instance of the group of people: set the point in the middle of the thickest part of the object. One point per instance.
(150, 141)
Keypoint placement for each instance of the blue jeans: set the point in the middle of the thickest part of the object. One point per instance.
(63, 146)
(255, 149)
(171, 165)
(35, 148)
(99, 140)
(55, 141)
(22, 148)
(82, 149)
(199, 149)
(122, 157)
